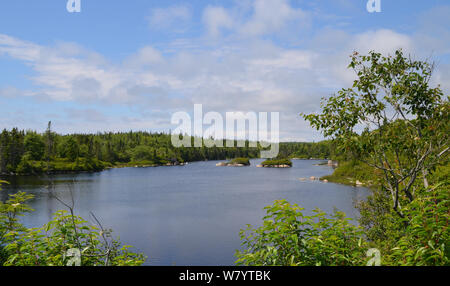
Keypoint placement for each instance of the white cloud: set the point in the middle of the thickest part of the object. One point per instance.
(215, 19)
(145, 56)
(18, 49)
(243, 71)
(383, 41)
(173, 16)
(271, 16)
(246, 76)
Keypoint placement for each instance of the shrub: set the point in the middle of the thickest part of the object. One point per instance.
(289, 238)
(59, 241)
(66, 240)
(426, 241)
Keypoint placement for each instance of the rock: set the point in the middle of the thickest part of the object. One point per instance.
(325, 181)
(358, 183)
(332, 163)
(221, 164)
(259, 166)
(312, 178)
(302, 179)
(275, 166)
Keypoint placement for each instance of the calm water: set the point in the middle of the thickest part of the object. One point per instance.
(188, 215)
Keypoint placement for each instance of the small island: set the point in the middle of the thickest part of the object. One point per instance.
(237, 162)
(276, 163)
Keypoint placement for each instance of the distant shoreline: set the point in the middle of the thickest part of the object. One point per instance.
(120, 166)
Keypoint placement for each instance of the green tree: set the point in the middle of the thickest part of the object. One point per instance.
(69, 149)
(390, 119)
(34, 146)
(4, 150)
(143, 153)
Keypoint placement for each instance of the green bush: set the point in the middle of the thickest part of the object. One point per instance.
(66, 240)
(51, 245)
(426, 240)
(289, 238)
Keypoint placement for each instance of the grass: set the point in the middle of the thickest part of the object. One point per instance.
(349, 172)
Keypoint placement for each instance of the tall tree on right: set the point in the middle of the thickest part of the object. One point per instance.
(391, 119)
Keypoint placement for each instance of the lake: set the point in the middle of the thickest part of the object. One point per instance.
(185, 215)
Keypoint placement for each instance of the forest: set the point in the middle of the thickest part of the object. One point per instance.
(28, 152)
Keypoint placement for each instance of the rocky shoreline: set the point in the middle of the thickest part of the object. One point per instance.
(223, 164)
(66, 172)
(273, 166)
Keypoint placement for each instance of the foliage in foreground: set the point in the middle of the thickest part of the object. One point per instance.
(426, 240)
(290, 238)
(65, 240)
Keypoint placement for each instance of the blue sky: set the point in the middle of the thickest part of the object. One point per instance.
(122, 65)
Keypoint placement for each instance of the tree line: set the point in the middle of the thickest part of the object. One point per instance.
(30, 152)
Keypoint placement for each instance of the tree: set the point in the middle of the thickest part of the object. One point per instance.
(50, 144)
(143, 153)
(70, 149)
(34, 146)
(4, 150)
(390, 119)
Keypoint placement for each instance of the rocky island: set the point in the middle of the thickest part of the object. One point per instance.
(238, 162)
(278, 163)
